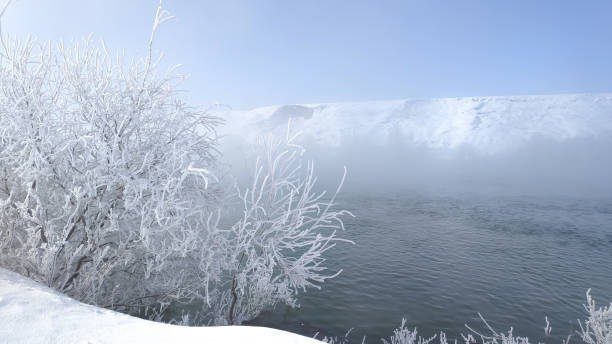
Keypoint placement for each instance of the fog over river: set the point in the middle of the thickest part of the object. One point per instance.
(497, 205)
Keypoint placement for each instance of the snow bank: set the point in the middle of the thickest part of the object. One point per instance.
(33, 313)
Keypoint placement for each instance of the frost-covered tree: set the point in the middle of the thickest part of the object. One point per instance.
(108, 191)
(104, 173)
(277, 247)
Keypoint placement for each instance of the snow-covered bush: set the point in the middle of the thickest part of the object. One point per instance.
(277, 247)
(403, 335)
(495, 337)
(104, 174)
(108, 193)
(597, 329)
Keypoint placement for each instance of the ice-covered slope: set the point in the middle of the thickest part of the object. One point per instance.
(32, 313)
(487, 125)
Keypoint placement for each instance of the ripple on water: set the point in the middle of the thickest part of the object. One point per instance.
(439, 261)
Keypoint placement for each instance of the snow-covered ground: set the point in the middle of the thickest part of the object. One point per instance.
(33, 313)
(485, 124)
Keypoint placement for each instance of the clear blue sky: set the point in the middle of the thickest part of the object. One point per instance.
(253, 53)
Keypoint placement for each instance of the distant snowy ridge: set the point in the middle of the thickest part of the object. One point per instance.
(487, 125)
(33, 313)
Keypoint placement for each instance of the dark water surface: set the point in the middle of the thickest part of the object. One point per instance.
(438, 260)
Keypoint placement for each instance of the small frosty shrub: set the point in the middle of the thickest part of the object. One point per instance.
(403, 335)
(495, 337)
(338, 340)
(597, 328)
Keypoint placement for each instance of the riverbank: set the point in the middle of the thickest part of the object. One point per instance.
(33, 313)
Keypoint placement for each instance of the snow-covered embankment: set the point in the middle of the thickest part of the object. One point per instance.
(33, 313)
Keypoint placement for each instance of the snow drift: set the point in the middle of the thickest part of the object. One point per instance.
(556, 143)
(33, 313)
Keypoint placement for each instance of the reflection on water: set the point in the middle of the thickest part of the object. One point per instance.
(439, 260)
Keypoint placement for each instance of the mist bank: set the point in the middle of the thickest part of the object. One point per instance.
(537, 145)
